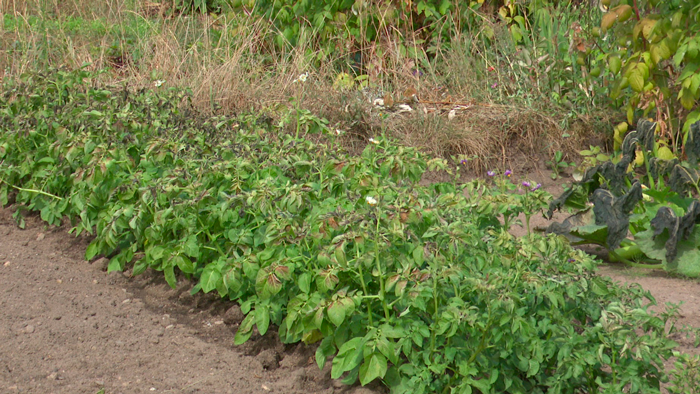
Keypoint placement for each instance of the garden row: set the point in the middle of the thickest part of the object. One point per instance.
(420, 286)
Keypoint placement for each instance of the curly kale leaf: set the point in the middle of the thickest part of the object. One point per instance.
(679, 228)
(692, 144)
(614, 212)
(682, 179)
(646, 134)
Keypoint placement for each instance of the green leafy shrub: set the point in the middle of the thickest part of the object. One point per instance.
(361, 21)
(654, 64)
(202, 6)
(420, 286)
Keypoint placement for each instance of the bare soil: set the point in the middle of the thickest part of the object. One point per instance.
(69, 327)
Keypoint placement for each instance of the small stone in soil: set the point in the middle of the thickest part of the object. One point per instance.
(29, 329)
(338, 384)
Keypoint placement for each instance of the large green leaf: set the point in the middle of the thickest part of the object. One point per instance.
(349, 357)
(374, 367)
(210, 277)
(336, 313)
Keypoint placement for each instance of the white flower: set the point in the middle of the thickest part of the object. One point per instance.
(302, 78)
(371, 200)
(159, 82)
(372, 140)
(338, 132)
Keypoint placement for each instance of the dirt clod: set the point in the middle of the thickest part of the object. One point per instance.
(102, 263)
(269, 359)
(233, 316)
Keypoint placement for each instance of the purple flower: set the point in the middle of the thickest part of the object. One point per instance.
(464, 161)
(495, 85)
(539, 185)
(526, 184)
(508, 173)
(491, 173)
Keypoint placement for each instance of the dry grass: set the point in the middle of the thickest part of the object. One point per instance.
(231, 66)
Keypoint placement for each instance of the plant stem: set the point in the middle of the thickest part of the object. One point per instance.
(527, 223)
(43, 193)
(615, 257)
(382, 292)
(482, 341)
(362, 282)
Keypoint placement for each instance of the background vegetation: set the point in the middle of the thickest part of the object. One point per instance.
(517, 77)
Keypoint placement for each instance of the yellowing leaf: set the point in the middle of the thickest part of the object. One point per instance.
(618, 134)
(636, 79)
(664, 153)
(608, 21)
(343, 82)
(636, 31)
(623, 12)
(623, 127)
(647, 27)
(687, 99)
(630, 114)
(615, 64)
(660, 52)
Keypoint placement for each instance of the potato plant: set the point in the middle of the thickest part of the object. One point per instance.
(419, 286)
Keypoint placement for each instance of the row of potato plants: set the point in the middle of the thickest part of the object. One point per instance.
(419, 286)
